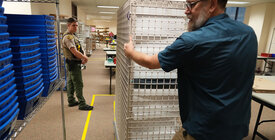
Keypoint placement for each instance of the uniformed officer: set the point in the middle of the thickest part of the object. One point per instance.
(75, 56)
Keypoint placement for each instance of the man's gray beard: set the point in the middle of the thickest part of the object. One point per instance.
(199, 22)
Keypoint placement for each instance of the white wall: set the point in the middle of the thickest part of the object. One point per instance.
(271, 29)
(17, 8)
(81, 15)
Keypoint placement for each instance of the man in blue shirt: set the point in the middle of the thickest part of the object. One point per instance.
(215, 60)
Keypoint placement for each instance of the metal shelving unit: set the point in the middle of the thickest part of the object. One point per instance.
(147, 100)
(20, 124)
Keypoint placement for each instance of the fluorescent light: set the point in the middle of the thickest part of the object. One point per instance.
(107, 12)
(114, 7)
(237, 2)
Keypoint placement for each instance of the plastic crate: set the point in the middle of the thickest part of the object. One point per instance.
(3, 28)
(34, 92)
(31, 27)
(28, 60)
(29, 21)
(29, 17)
(47, 45)
(7, 85)
(24, 47)
(25, 54)
(4, 94)
(24, 40)
(27, 72)
(7, 123)
(49, 70)
(48, 50)
(26, 78)
(54, 64)
(27, 67)
(6, 69)
(42, 36)
(28, 84)
(5, 53)
(48, 57)
(7, 77)
(50, 76)
(4, 36)
(1, 2)
(48, 86)
(7, 128)
(3, 19)
(5, 61)
(5, 102)
(7, 108)
(47, 40)
(4, 44)
(48, 62)
(2, 9)
(27, 106)
(29, 31)
(24, 91)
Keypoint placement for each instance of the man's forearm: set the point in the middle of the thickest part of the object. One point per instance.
(145, 60)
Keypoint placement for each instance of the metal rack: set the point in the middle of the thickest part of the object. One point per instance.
(21, 124)
(147, 100)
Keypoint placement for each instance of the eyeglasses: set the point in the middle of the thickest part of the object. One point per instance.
(190, 5)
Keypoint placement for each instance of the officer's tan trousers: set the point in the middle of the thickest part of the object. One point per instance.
(179, 135)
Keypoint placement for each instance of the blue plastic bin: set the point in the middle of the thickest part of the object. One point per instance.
(47, 40)
(28, 60)
(5, 93)
(4, 44)
(27, 72)
(29, 17)
(28, 84)
(42, 36)
(3, 19)
(7, 128)
(6, 78)
(24, 40)
(7, 85)
(5, 102)
(29, 21)
(24, 91)
(27, 78)
(31, 27)
(48, 50)
(5, 61)
(6, 69)
(29, 31)
(7, 109)
(48, 44)
(25, 54)
(4, 36)
(3, 28)
(24, 47)
(5, 53)
(48, 86)
(26, 67)
(27, 106)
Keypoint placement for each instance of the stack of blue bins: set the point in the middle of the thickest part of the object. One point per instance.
(28, 72)
(8, 100)
(42, 26)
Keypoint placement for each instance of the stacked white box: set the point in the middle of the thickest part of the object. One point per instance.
(147, 100)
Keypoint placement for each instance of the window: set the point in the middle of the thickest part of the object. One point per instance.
(236, 13)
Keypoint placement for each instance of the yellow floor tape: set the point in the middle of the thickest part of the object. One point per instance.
(89, 115)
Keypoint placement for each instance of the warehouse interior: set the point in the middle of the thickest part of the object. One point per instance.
(104, 76)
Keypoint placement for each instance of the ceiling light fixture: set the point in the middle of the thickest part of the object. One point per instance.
(107, 12)
(237, 2)
(113, 7)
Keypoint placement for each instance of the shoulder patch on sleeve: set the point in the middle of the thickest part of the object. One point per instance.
(69, 37)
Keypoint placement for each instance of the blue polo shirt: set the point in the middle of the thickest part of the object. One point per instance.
(215, 66)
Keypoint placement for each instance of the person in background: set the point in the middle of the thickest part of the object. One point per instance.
(75, 56)
(215, 62)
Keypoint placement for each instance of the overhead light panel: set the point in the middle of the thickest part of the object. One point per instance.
(237, 2)
(112, 7)
(107, 12)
